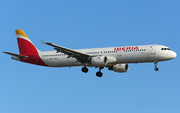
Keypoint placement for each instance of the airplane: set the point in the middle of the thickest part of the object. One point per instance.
(114, 58)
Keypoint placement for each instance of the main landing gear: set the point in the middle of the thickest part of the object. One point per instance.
(84, 69)
(98, 74)
(155, 63)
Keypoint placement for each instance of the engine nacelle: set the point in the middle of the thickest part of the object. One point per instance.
(111, 59)
(103, 60)
(99, 60)
(119, 68)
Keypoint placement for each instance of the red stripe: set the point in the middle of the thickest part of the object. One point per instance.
(28, 49)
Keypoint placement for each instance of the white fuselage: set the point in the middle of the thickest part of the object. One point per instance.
(146, 53)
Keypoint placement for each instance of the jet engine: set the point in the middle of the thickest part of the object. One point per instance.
(99, 60)
(103, 60)
(120, 68)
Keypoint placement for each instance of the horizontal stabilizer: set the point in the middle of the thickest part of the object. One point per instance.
(16, 55)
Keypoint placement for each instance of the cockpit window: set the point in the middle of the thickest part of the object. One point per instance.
(165, 49)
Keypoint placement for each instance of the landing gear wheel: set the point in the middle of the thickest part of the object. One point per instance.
(156, 69)
(84, 69)
(155, 63)
(99, 74)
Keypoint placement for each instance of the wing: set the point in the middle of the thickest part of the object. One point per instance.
(16, 55)
(80, 56)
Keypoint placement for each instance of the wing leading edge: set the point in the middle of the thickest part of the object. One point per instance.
(80, 56)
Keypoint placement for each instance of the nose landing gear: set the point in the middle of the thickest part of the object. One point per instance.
(155, 63)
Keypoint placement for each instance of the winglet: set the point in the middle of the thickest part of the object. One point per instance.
(43, 42)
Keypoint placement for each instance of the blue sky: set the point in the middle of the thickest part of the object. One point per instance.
(26, 88)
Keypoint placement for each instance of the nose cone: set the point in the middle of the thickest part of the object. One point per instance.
(173, 54)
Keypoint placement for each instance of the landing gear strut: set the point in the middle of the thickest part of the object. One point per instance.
(84, 69)
(155, 63)
(99, 73)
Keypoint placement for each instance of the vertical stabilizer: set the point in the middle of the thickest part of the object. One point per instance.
(26, 47)
(28, 52)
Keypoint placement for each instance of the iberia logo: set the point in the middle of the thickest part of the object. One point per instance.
(125, 48)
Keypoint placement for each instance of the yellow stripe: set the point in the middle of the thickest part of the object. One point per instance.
(21, 32)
